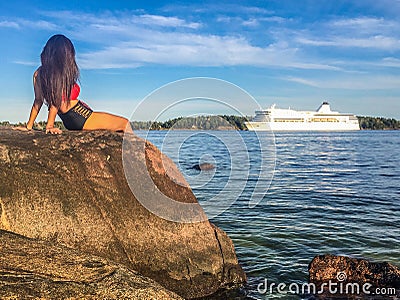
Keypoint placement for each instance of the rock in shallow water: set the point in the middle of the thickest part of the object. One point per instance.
(71, 189)
(204, 167)
(351, 273)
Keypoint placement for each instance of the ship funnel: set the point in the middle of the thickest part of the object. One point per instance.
(324, 108)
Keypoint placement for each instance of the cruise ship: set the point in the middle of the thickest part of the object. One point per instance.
(323, 119)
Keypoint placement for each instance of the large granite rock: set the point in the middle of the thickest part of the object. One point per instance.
(31, 269)
(71, 189)
(343, 270)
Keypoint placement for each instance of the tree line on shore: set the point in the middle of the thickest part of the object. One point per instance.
(378, 123)
(219, 122)
(224, 122)
(233, 122)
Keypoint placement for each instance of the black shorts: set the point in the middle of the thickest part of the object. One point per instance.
(76, 117)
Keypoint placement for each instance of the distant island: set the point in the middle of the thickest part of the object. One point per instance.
(225, 122)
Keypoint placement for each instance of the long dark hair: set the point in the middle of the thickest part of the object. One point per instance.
(59, 71)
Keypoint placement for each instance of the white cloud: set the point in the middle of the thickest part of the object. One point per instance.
(360, 82)
(361, 32)
(373, 42)
(26, 63)
(39, 24)
(276, 19)
(224, 19)
(301, 80)
(250, 22)
(9, 24)
(254, 22)
(365, 26)
(21, 23)
(253, 9)
(173, 48)
(390, 62)
(226, 8)
(362, 22)
(122, 18)
(156, 20)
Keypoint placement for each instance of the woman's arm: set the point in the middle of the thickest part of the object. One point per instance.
(32, 116)
(37, 104)
(50, 121)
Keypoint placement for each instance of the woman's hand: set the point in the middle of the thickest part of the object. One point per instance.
(53, 130)
(21, 128)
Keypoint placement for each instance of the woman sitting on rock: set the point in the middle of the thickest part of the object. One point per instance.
(55, 84)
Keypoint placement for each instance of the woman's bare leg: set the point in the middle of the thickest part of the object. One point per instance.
(103, 120)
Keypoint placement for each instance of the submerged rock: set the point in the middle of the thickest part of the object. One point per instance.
(32, 269)
(204, 167)
(71, 189)
(346, 271)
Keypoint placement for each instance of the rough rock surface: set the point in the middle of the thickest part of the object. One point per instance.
(71, 189)
(31, 269)
(325, 268)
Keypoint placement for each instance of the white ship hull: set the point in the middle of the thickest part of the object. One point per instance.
(323, 119)
(275, 126)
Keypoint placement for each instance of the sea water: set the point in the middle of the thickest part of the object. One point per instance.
(321, 192)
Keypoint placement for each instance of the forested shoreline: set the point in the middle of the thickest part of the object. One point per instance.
(224, 122)
(232, 122)
(378, 123)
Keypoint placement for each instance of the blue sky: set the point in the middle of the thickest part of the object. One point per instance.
(292, 53)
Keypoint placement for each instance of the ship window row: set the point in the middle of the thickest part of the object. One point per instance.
(331, 120)
(288, 120)
(324, 120)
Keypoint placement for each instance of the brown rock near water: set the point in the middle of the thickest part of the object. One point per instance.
(325, 268)
(71, 189)
(31, 269)
(204, 167)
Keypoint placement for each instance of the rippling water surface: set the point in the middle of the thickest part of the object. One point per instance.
(331, 192)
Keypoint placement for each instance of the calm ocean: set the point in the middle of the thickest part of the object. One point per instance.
(331, 192)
